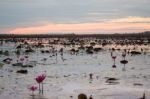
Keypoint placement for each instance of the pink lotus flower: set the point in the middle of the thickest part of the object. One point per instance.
(40, 78)
(33, 88)
(114, 57)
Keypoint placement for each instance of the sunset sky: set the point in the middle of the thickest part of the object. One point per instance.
(74, 16)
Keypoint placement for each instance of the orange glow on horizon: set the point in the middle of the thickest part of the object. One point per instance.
(108, 27)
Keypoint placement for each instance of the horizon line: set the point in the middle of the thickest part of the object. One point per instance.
(62, 33)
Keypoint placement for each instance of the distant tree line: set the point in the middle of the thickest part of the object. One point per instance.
(145, 34)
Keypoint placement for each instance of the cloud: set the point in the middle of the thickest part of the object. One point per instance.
(132, 19)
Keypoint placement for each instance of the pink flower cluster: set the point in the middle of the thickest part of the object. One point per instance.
(39, 79)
